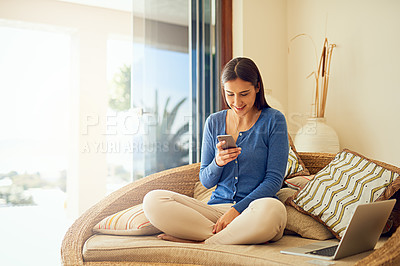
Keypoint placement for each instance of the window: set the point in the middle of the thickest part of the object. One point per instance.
(34, 110)
(59, 132)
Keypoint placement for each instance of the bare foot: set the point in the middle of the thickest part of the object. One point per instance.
(176, 239)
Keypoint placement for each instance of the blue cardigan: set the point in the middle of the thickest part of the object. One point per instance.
(258, 171)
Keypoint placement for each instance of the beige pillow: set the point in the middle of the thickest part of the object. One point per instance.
(131, 221)
(298, 182)
(347, 181)
(300, 223)
(201, 193)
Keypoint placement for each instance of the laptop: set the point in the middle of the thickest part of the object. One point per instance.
(362, 233)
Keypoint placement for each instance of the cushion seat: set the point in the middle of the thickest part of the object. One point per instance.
(151, 249)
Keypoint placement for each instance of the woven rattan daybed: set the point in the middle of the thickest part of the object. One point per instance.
(148, 250)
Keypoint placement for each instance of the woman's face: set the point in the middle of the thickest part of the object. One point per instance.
(240, 96)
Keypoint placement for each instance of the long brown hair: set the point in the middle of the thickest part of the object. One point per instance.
(245, 69)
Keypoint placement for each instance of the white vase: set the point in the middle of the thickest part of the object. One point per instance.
(317, 136)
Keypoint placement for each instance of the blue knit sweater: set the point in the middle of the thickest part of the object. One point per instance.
(258, 171)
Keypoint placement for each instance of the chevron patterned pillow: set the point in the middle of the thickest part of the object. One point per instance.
(350, 179)
(295, 165)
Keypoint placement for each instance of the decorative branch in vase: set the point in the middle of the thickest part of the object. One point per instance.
(321, 75)
(316, 135)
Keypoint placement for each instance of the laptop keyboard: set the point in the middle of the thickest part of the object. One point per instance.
(329, 251)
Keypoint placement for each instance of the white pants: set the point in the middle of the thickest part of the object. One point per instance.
(187, 218)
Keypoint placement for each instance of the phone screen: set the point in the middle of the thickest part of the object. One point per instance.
(229, 141)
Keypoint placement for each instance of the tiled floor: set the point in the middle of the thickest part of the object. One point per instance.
(32, 235)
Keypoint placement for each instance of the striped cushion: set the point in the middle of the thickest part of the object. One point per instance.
(295, 165)
(131, 221)
(350, 179)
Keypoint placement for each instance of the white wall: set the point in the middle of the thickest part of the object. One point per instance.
(259, 32)
(364, 91)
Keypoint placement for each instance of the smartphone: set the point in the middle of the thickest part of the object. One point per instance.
(229, 141)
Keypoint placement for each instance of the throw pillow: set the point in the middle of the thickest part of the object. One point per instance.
(298, 182)
(295, 165)
(301, 223)
(348, 180)
(131, 221)
(201, 193)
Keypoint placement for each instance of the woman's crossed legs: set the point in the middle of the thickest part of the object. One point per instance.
(186, 219)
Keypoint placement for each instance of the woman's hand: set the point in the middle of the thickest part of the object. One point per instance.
(225, 156)
(225, 219)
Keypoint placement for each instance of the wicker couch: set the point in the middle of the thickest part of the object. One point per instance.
(81, 247)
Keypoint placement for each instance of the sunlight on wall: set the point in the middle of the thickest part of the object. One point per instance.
(35, 70)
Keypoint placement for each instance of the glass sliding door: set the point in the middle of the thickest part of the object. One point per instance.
(171, 81)
(160, 85)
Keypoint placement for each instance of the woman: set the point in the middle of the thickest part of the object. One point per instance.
(244, 208)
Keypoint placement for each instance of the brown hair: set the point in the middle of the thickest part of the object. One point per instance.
(245, 69)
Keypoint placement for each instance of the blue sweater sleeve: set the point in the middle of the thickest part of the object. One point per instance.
(210, 172)
(278, 151)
